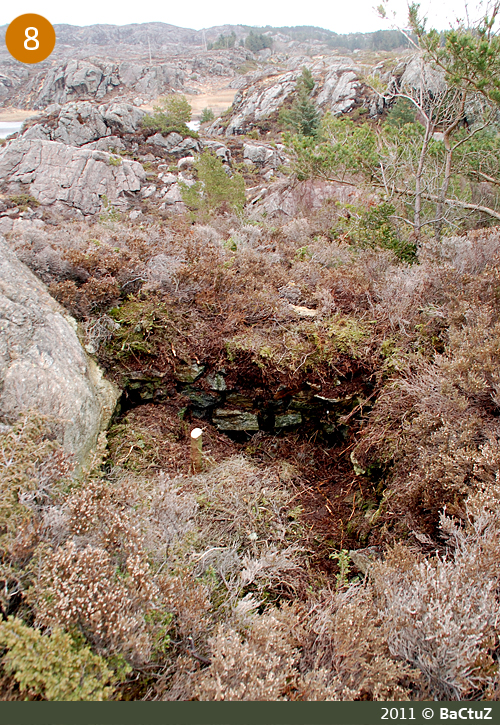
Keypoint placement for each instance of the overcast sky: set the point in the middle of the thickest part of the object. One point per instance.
(341, 16)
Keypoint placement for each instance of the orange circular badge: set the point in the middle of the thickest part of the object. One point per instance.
(30, 38)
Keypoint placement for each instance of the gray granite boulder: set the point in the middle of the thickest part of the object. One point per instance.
(166, 142)
(43, 366)
(122, 117)
(78, 124)
(262, 155)
(187, 146)
(78, 177)
(256, 102)
(341, 86)
(81, 122)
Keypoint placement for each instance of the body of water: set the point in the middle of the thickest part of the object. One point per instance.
(8, 127)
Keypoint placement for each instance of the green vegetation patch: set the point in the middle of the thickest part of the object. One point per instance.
(172, 113)
(214, 188)
(54, 666)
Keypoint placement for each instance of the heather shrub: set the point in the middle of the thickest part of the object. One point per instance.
(430, 420)
(441, 614)
(34, 472)
(346, 654)
(246, 532)
(256, 665)
(111, 619)
(470, 253)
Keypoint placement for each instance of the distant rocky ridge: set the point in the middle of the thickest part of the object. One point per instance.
(94, 78)
(163, 37)
(137, 63)
(99, 78)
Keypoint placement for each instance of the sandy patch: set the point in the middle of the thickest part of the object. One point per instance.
(15, 114)
(218, 99)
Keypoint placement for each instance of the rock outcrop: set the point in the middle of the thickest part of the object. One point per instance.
(84, 179)
(95, 79)
(256, 102)
(421, 76)
(263, 155)
(80, 123)
(261, 94)
(340, 87)
(285, 198)
(43, 366)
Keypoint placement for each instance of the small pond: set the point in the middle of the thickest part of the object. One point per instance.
(8, 127)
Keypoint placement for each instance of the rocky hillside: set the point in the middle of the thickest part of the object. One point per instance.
(138, 63)
(280, 280)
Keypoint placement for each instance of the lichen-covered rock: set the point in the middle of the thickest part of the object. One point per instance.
(236, 420)
(287, 420)
(82, 122)
(216, 381)
(79, 177)
(201, 400)
(43, 366)
(290, 199)
(257, 102)
(340, 88)
(166, 142)
(188, 372)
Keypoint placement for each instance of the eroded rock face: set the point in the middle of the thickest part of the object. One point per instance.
(257, 102)
(80, 123)
(78, 177)
(340, 88)
(95, 78)
(43, 366)
(422, 76)
(291, 199)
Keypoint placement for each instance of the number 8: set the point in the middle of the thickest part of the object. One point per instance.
(32, 38)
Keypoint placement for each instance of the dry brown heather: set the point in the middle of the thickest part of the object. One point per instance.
(237, 583)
